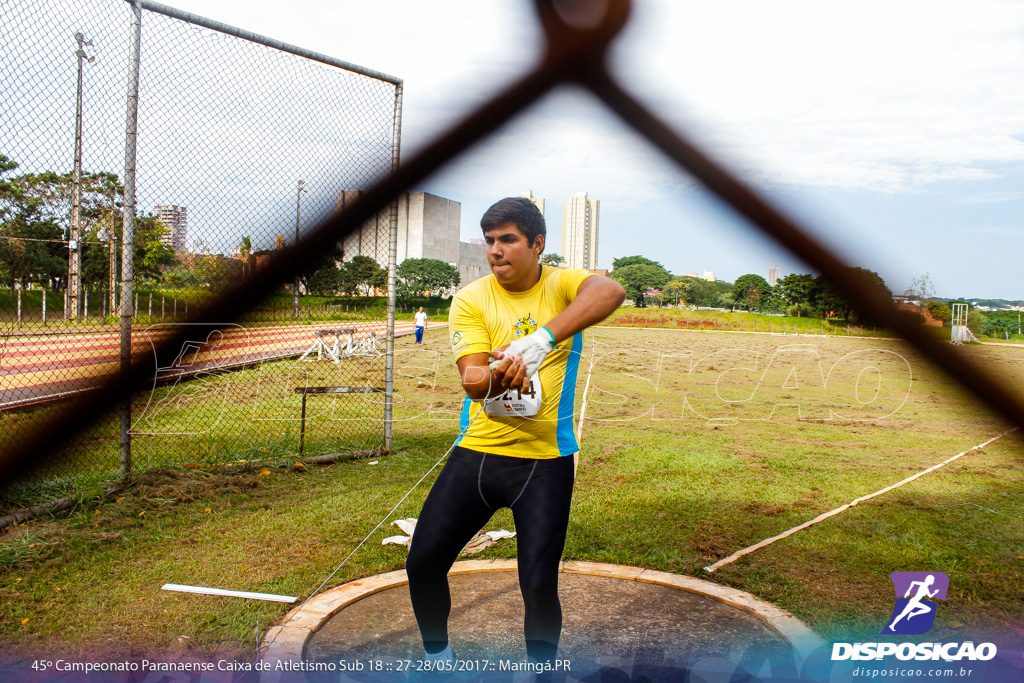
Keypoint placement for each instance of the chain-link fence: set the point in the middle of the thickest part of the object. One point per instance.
(116, 229)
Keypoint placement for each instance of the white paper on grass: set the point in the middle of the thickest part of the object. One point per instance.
(479, 542)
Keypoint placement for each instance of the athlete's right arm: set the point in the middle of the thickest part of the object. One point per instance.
(480, 381)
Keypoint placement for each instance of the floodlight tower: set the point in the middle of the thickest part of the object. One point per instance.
(73, 305)
(298, 215)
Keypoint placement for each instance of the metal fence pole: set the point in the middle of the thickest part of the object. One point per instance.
(75, 237)
(389, 360)
(128, 232)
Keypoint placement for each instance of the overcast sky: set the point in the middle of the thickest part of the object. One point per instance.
(895, 129)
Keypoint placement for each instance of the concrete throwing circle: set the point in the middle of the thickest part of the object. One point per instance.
(614, 618)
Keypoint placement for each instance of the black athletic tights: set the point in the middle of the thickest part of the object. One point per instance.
(470, 488)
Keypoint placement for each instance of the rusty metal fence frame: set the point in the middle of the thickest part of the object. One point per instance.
(575, 53)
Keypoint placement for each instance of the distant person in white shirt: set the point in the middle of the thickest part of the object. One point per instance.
(421, 324)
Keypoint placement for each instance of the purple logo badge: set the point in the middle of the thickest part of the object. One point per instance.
(913, 614)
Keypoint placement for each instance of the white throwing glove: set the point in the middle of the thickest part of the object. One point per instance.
(533, 349)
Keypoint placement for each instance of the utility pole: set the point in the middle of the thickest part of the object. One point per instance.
(298, 215)
(73, 305)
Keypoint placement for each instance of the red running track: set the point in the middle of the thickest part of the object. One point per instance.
(39, 368)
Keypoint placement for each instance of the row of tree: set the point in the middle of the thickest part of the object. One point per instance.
(648, 282)
(35, 210)
(415, 277)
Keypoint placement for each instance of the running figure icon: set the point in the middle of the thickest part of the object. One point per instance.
(915, 607)
(918, 590)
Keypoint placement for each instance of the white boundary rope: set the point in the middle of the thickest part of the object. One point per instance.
(768, 541)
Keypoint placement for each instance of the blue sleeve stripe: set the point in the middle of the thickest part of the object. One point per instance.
(565, 434)
(463, 419)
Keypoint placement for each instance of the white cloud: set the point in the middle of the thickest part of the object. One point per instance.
(1001, 231)
(990, 198)
(876, 95)
(872, 95)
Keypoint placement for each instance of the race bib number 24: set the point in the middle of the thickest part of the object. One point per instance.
(514, 403)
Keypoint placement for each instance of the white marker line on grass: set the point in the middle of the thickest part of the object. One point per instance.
(228, 594)
(768, 541)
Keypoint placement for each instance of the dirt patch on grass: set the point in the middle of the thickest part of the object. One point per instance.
(162, 486)
(96, 521)
(758, 508)
(713, 541)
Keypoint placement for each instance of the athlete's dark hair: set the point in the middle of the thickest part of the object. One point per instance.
(518, 210)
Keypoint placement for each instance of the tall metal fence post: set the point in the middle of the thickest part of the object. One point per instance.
(75, 237)
(389, 361)
(128, 231)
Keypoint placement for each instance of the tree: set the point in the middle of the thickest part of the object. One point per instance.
(217, 271)
(636, 278)
(976, 321)
(776, 302)
(750, 290)
(552, 259)
(357, 272)
(426, 276)
(324, 282)
(330, 261)
(245, 251)
(940, 311)
(152, 255)
(797, 288)
(827, 299)
(675, 290)
(35, 211)
(921, 288)
(752, 298)
(624, 261)
(653, 295)
(181, 278)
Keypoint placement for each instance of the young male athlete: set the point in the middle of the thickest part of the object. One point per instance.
(516, 335)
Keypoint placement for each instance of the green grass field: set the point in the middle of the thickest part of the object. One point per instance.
(694, 446)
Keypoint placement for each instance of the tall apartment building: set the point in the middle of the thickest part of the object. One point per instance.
(176, 220)
(537, 201)
(773, 276)
(428, 227)
(579, 231)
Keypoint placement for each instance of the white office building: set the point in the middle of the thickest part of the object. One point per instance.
(428, 227)
(579, 231)
(176, 220)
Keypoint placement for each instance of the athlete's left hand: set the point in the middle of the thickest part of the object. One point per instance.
(533, 349)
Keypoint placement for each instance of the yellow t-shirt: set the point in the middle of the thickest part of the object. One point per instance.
(484, 316)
